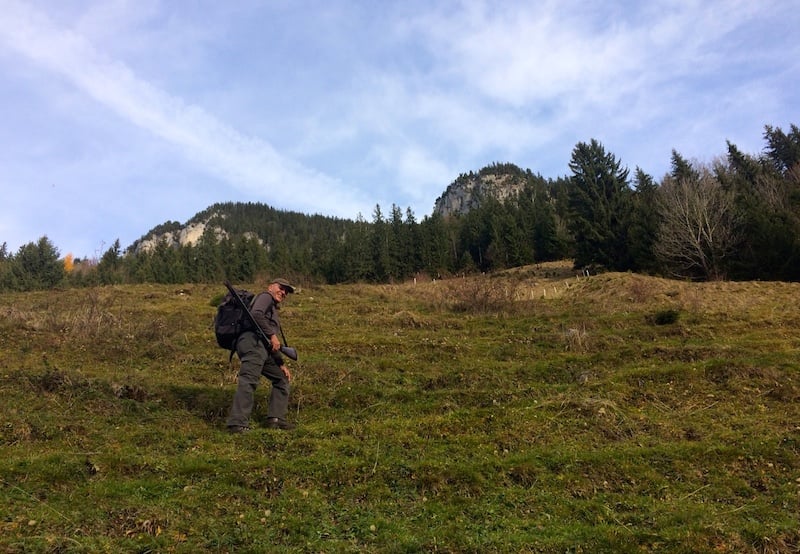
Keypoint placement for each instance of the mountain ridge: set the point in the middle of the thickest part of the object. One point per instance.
(500, 181)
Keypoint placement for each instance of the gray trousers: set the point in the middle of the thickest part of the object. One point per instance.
(255, 363)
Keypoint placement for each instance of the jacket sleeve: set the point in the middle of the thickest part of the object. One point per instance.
(263, 310)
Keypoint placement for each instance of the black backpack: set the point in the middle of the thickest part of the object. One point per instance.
(231, 321)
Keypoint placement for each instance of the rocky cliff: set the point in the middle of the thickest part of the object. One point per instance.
(465, 193)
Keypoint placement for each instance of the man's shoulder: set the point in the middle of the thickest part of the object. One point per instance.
(263, 300)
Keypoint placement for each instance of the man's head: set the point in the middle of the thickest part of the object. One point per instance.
(279, 288)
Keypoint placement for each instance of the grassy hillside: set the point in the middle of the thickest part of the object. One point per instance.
(532, 411)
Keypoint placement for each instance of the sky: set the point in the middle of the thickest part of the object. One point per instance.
(119, 115)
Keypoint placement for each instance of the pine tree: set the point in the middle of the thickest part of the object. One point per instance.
(599, 202)
(208, 263)
(381, 258)
(36, 266)
(108, 268)
(645, 220)
(769, 228)
(437, 250)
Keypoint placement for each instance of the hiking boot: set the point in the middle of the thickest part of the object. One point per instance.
(277, 423)
(237, 429)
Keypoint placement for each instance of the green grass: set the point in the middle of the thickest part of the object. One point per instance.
(524, 412)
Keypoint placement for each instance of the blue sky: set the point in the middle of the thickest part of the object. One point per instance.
(119, 115)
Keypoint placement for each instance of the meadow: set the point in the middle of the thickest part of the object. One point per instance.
(535, 410)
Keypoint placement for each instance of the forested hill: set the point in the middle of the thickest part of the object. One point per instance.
(736, 218)
(234, 220)
(391, 246)
(497, 181)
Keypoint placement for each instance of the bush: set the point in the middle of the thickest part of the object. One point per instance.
(665, 317)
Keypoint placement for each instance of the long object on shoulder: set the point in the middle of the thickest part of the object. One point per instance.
(287, 351)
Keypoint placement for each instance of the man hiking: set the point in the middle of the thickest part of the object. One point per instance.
(259, 359)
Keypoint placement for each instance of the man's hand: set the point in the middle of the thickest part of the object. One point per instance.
(274, 343)
(287, 373)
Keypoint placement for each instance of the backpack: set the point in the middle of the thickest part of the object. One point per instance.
(230, 320)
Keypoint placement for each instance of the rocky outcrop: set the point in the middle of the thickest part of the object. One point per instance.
(466, 192)
(190, 234)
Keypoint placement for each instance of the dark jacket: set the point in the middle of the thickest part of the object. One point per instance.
(265, 312)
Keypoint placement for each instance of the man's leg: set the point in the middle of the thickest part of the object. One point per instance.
(279, 397)
(252, 355)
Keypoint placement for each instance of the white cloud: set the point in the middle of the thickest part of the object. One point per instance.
(247, 163)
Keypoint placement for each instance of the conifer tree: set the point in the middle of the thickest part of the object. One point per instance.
(645, 219)
(769, 229)
(36, 266)
(437, 247)
(599, 202)
(358, 252)
(381, 258)
(108, 268)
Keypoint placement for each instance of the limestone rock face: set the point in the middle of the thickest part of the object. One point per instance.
(466, 192)
(189, 234)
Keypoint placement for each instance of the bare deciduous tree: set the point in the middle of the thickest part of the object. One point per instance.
(698, 227)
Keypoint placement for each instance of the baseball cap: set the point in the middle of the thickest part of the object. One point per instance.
(284, 283)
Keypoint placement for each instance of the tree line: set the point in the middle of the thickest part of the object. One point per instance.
(736, 217)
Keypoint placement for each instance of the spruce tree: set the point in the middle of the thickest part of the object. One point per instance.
(599, 202)
(36, 266)
(643, 231)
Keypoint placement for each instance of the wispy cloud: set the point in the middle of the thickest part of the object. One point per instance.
(247, 163)
(569, 72)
